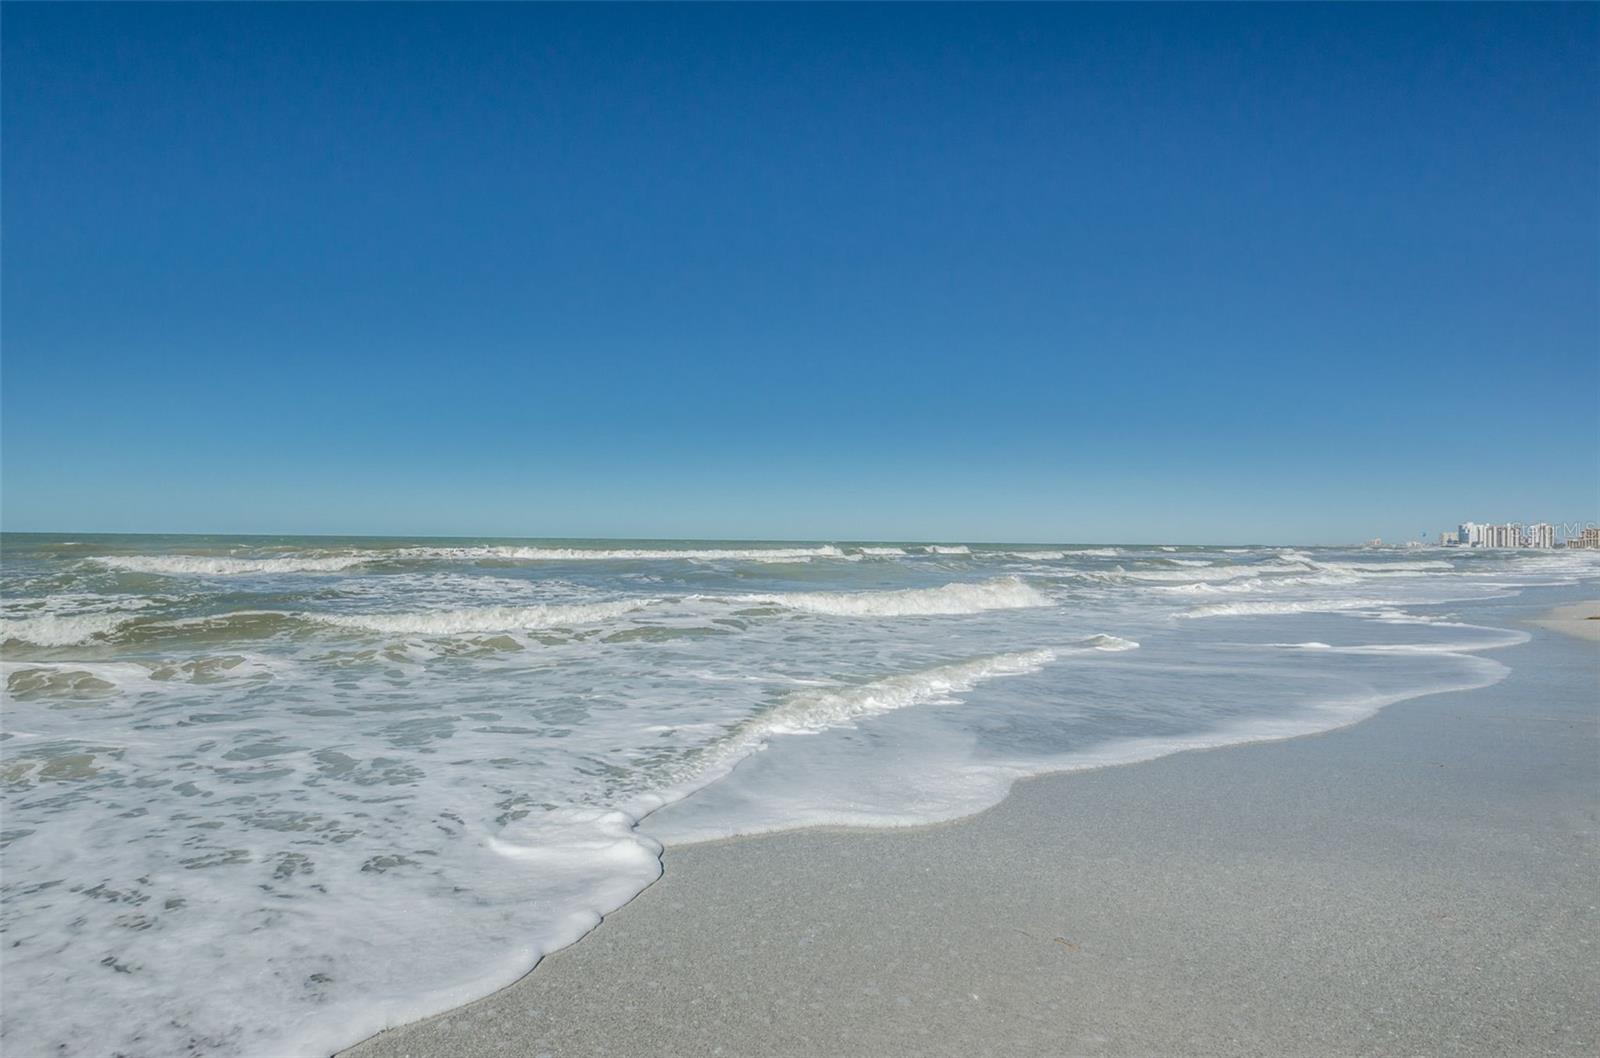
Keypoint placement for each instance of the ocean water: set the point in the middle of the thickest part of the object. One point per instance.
(266, 796)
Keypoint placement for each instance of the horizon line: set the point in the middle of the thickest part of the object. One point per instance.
(326, 534)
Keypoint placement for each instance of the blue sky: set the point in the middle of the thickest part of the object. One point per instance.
(1254, 273)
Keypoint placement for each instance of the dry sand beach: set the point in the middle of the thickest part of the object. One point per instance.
(1581, 619)
(1425, 882)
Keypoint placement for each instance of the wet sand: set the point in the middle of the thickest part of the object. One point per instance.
(1425, 882)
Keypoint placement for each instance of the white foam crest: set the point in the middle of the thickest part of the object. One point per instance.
(814, 710)
(1491, 639)
(628, 554)
(1110, 643)
(808, 712)
(483, 618)
(1255, 585)
(204, 566)
(882, 552)
(1255, 609)
(59, 630)
(946, 786)
(1382, 567)
(1210, 573)
(1002, 593)
(948, 549)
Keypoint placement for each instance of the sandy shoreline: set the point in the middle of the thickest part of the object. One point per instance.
(1424, 882)
(1581, 619)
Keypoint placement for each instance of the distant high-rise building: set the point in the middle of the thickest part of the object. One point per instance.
(1515, 534)
(1506, 535)
(1590, 537)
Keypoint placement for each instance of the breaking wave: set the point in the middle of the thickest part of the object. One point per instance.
(631, 554)
(1252, 609)
(810, 711)
(203, 566)
(1382, 567)
(483, 619)
(1109, 643)
(56, 630)
(208, 566)
(1003, 593)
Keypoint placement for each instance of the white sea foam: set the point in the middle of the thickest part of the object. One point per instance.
(1002, 593)
(629, 554)
(233, 566)
(483, 618)
(1258, 585)
(58, 630)
(1287, 606)
(205, 566)
(1382, 567)
(948, 549)
(808, 712)
(1486, 639)
(70, 618)
(1113, 644)
(1190, 575)
(850, 783)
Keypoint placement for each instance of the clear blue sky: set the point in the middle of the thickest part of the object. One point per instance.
(1281, 273)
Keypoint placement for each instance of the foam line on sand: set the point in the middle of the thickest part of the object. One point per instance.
(1420, 883)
